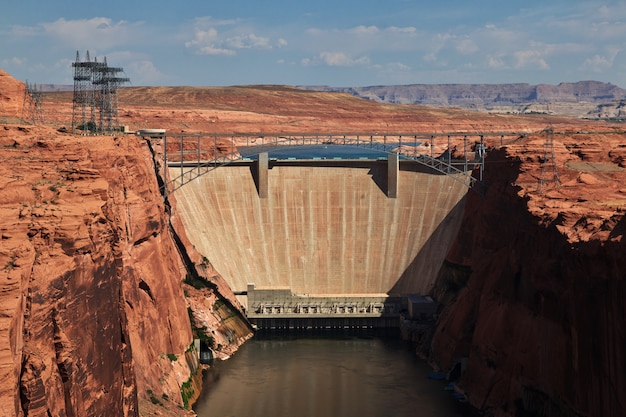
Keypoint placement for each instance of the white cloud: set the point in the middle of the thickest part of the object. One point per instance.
(95, 33)
(431, 58)
(248, 41)
(214, 50)
(146, 72)
(405, 30)
(467, 47)
(335, 59)
(364, 30)
(530, 59)
(495, 62)
(362, 39)
(596, 63)
(23, 31)
(16, 61)
(397, 66)
(600, 63)
(339, 59)
(233, 36)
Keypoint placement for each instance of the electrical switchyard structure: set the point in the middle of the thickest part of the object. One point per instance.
(94, 106)
(32, 107)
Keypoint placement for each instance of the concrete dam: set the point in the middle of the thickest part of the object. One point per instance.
(323, 238)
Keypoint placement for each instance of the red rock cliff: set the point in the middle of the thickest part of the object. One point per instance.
(93, 316)
(534, 286)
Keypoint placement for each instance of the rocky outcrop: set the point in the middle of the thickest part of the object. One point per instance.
(534, 311)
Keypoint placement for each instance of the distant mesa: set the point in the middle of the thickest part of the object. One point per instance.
(585, 99)
(484, 94)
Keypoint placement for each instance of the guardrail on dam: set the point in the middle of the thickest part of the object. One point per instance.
(326, 239)
(197, 154)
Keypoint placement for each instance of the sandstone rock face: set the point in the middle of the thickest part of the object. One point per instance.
(534, 285)
(94, 320)
(11, 97)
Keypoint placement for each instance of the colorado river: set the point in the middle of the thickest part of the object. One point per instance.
(325, 377)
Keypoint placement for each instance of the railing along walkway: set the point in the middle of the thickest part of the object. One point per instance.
(200, 153)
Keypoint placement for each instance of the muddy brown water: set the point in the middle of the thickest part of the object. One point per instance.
(325, 376)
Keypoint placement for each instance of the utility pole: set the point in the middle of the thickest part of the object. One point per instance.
(549, 170)
(32, 104)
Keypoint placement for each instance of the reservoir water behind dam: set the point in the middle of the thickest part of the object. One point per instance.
(325, 377)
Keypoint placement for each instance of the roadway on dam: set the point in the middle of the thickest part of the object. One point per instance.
(326, 227)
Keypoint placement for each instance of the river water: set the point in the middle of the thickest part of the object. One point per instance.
(325, 377)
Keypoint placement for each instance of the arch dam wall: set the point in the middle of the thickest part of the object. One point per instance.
(324, 228)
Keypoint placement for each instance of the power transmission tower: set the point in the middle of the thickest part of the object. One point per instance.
(32, 107)
(549, 170)
(95, 90)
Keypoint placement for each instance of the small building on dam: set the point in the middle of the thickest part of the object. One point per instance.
(309, 243)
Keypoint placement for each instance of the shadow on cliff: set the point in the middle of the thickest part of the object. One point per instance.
(530, 311)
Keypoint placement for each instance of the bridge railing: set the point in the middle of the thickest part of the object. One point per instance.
(459, 155)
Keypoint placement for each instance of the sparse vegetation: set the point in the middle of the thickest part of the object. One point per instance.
(153, 398)
(200, 332)
(196, 282)
(187, 391)
(172, 357)
(10, 265)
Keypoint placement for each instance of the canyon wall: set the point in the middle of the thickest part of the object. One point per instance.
(534, 309)
(94, 316)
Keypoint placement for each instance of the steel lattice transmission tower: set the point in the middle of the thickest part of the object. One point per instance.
(32, 107)
(549, 170)
(83, 104)
(107, 81)
(95, 93)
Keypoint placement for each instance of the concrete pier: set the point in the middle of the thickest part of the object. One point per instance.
(262, 172)
(393, 167)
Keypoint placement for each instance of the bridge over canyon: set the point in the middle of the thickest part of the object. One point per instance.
(304, 240)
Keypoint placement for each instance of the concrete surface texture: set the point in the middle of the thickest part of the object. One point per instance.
(324, 229)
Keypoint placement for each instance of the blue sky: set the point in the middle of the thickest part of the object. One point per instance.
(337, 43)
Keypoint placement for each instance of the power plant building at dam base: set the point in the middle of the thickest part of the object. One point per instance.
(306, 240)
